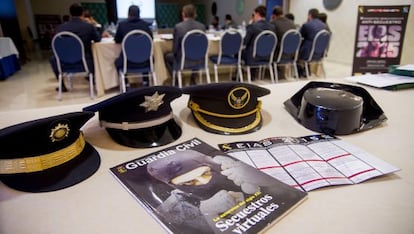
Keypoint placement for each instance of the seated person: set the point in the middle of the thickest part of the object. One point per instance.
(189, 23)
(85, 31)
(282, 25)
(228, 22)
(88, 18)
(133, 22)
(253, 30)
(308, 32)
(215, 23)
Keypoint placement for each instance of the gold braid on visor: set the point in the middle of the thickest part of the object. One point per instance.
(197, 110)
(43, 162)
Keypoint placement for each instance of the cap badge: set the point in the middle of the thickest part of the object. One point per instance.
(152, 103)
(59, 132)
(238, 97)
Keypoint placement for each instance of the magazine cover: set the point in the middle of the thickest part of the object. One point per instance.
(194, 188)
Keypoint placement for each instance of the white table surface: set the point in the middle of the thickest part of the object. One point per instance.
(101, 205)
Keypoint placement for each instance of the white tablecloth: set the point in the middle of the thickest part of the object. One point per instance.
(105, 53)
(7, 47)
(101, 205)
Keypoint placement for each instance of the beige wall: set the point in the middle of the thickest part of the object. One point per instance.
(342, 22)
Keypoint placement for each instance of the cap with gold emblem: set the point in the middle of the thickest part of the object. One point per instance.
(47, 154)
(226, 108)
(140, 118)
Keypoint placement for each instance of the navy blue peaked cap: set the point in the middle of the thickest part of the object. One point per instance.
(140, 118)
(227, 108)
(47, 154)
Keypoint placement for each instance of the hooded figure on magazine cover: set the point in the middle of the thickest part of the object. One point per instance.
(204, 187)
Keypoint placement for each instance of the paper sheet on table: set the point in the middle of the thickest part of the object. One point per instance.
(167, 36)
(381, 80)
(407, 67)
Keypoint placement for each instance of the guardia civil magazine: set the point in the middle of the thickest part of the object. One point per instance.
(192, 188)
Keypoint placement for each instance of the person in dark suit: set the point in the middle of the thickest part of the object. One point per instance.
(281, 24)
(324, 18)
(228, 22)
(253, 30)
(189, 23)
(133, 22)
(309, 31)
(86, 32)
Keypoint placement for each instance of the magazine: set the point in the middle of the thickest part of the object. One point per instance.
(309, 162)
(194, 188)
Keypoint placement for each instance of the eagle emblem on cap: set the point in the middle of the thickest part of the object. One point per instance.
(238, 97)
(59, 132)
(152, 103)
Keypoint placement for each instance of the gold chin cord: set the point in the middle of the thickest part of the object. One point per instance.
(197, 110)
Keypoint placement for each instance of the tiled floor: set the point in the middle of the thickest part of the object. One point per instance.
(34, 85)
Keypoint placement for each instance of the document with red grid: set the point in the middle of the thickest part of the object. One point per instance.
(309, 162)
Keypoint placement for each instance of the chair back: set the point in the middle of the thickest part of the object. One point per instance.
(194, 47)
(68, 48)
(230, 44)
(137, 48)
(264, 46)
(289, 46)
(320, 45)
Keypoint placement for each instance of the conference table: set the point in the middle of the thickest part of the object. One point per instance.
(9, 62)
(106, 52)
(100, 204)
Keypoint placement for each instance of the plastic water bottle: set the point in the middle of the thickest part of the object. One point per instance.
(154, 28)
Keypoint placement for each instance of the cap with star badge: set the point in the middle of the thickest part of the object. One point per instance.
(140, 118)
(47, 154)
(226, 108)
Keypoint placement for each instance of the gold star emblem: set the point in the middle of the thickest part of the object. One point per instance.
(152, 103)
(59, 132)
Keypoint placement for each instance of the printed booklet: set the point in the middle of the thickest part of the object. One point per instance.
(309, 162)
(194, 188)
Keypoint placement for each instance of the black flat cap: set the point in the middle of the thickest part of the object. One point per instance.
(226, 108)
(140, 118)
(335, 109)
(47, 154)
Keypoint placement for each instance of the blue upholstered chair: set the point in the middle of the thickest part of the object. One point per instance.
(288, 53)
(68, 50)
(137, 55)
(318, 52)
(263, 51)
(229, 53)
(194, 57)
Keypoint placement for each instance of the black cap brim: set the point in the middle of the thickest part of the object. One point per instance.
(147, 137)
(70, 173)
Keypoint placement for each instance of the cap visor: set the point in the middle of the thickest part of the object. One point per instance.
(59, 177)
(229, 126)
(147, 137)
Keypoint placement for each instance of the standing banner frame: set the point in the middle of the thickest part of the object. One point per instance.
(379, 38)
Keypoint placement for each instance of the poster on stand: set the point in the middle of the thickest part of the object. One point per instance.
(379, 38)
